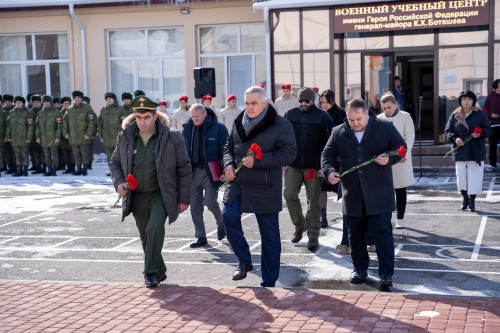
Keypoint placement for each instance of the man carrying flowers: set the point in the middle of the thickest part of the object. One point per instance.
(160, 185)
(368, 192)
(312, 127)
(257, 187)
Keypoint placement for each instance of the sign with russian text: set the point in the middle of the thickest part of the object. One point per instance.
(410, 15)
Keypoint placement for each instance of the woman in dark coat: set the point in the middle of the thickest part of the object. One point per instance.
(469, 158)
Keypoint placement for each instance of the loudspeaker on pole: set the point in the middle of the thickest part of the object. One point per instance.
(204, 81)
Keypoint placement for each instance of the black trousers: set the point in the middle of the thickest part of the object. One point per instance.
(379, 229)
(401, 202)
(495, 133)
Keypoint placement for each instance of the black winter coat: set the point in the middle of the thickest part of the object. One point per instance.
(475, 149)
(338, 115)
(214, 139)
(260, 187)
(371, 184)
(312, 129)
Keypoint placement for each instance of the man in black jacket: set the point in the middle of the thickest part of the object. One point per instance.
(368, 192)
(257, 187)
(312, 127)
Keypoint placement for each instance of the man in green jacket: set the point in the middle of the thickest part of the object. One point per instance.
(48, 129)
(9, 157)
(36, 152)
(66, 153)
(78, 128)
(127, 103)
(109, 123)
(86, 100)
(20, 131)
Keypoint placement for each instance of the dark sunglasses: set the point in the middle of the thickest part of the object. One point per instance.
(304, 101)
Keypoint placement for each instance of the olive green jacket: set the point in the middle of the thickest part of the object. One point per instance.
(48, 127)
(64, 142)
(109, 124)
(127, 110)
(34, 114)
(20, 127)
(77, 122)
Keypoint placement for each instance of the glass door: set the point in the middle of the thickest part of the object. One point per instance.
(240, 76)
(376, 78)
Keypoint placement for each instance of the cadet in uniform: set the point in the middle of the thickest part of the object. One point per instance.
(127, 103)
(57, 103)
(181, 115)
(48, 128)
(109, 123)
(86, 100)
(78, 128)
(35, 148)
(158, 159)
(10, 159)
(20, 131)
(287, 100)
(66, 153)
(229, 113)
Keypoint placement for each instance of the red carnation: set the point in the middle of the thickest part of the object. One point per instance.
(402, 152)
(478, 130)
(310, 174)
(131, 184)
(258, 154)
(254, 150)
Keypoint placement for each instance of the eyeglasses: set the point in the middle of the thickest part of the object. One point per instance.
(304, 101)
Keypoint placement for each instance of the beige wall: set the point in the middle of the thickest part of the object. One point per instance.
(97, 21)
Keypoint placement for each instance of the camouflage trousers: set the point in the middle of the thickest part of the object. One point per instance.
(51, 156)
(22, 155)
(66, 155)
(81, 154)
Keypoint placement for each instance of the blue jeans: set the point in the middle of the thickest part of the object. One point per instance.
(270, 240)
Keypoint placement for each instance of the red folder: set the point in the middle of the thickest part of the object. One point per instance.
(215, 170)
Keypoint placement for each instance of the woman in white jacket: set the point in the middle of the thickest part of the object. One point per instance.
(402, 172)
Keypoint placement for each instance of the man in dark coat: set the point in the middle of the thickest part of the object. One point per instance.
(205, 139)
(257, 187)
(157, 158)
(368, 192)
(312, 127)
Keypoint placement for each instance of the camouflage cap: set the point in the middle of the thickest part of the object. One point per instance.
(144, 104)
(77, 93)
(110, 94)
(20, 98)
(47, 98)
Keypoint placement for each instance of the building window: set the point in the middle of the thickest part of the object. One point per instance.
(34, 63)
(148, 59)
(237, 52)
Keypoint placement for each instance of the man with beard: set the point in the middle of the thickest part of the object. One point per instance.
(312, 127)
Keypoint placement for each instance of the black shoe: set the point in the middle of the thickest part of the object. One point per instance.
(200, 242)
(385, 281)
(358, 278)
(465, 201)
(221, 232)
(18, 172)
(84, 170)
(297, 236)
(241, 272)
(48, 172)
(161, 278)
(312, 244)
(54, 169)
(25, 171)
(150, 280)
(89, 166)
(78, 171)
(70, 168)
(38, 169)
(324, 220)
(472, 203)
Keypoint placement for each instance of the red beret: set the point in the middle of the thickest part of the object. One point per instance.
(183, 98)
(207, 97)
(286, 86)
(260, 85)
(231, 97)
(163, 103)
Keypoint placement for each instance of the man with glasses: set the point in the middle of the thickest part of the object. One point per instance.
(312, 127)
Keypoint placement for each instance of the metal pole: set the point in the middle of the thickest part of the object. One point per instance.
(420, 132)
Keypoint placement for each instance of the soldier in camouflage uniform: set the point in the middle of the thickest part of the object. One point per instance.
(9, 158)
(35, 148)
(57, 103)
(66, 153)
(127, 103)
(48, 128)
(78, 128)
(86, 100)
(20, 131)
(3, 118)
(109, 123)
